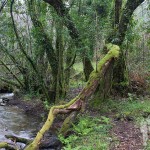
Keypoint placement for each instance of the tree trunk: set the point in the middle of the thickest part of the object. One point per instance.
(87, 67)
(120, 75)
(45, 43)
(63, 12)
(60, 89)
(118, 4)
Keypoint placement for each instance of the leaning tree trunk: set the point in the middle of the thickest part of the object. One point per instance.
(78, 102)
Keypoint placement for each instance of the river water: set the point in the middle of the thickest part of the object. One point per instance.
(15, 122)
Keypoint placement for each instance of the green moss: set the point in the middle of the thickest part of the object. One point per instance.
(113, 53)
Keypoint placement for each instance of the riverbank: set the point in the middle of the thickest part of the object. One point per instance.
(33, 107)
(115, 124)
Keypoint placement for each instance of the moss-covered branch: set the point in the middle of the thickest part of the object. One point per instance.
(6, 146)
(77, 103)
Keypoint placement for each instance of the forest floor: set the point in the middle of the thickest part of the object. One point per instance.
(129, 119)
(116, 123)
(128, 135)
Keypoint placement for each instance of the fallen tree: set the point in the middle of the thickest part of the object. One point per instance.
(78, 103)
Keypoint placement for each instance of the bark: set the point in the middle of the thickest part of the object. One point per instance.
(60, 90)
(87, 67)
(104, 88)
(55, 56)
(45, 41)
(70, 60)
(118, 4)
(120, 75)
(128, 10)
(63, 12)
(68, 123)
(77, 103)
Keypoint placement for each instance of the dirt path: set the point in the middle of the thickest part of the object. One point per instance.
(128, 135)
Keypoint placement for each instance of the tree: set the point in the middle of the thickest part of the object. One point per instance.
(103, 73)
(120, 77)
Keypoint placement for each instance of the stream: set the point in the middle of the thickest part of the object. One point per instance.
(15, 122)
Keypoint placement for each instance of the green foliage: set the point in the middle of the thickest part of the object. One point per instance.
(91, 132)
(148, 145)
(130, 107)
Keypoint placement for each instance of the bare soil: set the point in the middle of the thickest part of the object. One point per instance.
(129, 137)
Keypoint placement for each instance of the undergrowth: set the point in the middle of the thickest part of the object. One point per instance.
(93, 133)
(90, 133)
(131, 106)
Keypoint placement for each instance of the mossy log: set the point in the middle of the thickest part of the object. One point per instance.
(77, 103)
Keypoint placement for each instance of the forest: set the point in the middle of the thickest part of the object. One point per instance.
(75, 74)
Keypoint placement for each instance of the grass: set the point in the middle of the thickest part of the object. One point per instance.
(131, 106)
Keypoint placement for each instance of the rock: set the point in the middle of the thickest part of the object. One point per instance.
(2, 103)
(51, 143)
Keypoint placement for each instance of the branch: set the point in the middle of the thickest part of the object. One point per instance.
(16, 63)
(7, 146)
(10, 82)
(18, 139)
(72, 63)
(3, 5)
(22, 85)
